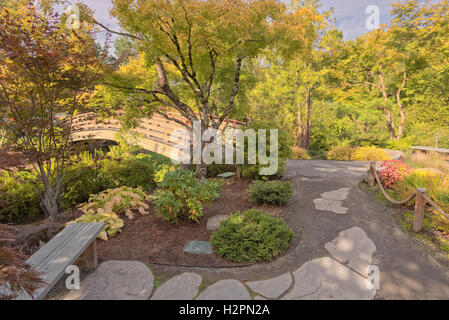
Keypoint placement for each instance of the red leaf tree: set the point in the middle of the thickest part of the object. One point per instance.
(45, 69)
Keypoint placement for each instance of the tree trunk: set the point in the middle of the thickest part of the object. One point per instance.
(49, 202)
(300, 133)
(304, 130)
(401, 108)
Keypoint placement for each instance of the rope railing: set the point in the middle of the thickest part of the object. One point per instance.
(420, 196)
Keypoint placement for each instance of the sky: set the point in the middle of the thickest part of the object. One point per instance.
(350, 15)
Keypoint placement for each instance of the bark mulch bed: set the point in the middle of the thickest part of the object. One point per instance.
(152, 240)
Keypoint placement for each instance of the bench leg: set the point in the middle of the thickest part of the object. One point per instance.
(88, 260)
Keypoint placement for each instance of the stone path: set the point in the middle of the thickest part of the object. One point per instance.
(124, 280)
(323, 278)
(344, 232)
(333, 201)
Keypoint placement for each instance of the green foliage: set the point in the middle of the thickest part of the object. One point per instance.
(300, 154)
(251, 236)
(21, 203)
(88, 175)
(108, 205)
(284, 150)
(180, 195)
(160, 164)
(270, 192)
(132, 173)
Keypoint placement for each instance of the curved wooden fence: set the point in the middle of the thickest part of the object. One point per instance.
(156, 134)
(420, 196)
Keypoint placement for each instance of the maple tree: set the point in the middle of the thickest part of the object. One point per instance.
(193, 55)
(45, 70)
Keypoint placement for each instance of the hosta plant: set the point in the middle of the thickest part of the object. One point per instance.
(108, 205)
(180, 195)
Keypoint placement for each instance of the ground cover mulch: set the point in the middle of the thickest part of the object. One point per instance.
(152, 240)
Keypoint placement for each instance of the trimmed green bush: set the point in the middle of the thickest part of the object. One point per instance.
(180, 195)
(270, 192)
(251, 236)
(21, 202)
(131, 173)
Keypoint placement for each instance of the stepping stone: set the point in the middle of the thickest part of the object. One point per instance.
(199, 247)
(182, 287)
(214, 222)
(337, 195)
(330, 205)
(272, 288)
(326, 279)
(353, 248)
(116, 280)
(225, 290)
(226, 175)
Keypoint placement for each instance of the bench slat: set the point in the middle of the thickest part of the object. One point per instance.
(61, 251)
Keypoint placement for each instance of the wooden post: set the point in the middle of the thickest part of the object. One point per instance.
(88, 260)
(420, 206)
(372, 176)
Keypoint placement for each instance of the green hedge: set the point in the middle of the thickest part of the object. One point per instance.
(22, 202)
(251, 236)
(270, 192)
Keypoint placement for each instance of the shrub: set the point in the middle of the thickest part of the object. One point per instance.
(20, 200)
(392, 172)
(284, 142)
(251, 236)
(108, 205)
(131, 173)
(300, 154)
(270, 192)
(341, 153)
(181, 195)
(370, 153)
(160, 164)
(80, 182)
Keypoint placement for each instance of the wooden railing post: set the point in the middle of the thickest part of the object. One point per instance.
(372, 176)
(420, 206)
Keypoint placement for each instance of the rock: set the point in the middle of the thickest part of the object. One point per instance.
(31, 237)
(226, 175)
(214, 222)
(198, 247)
(182, 287)
(272, 288)
(337, 195)
(225, 290)
(330, 205)
(353, 248)
(116, 280)
(394, 154)
(259, 298)
(326, 279)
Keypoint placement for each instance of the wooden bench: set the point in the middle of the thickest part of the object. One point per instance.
(75, 245)
(431, 149)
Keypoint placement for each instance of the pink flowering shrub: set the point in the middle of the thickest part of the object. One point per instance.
(392, 172)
